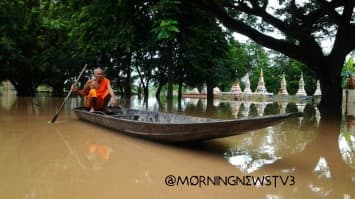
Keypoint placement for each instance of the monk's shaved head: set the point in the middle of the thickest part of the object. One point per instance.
(98, 70)
(99, 74)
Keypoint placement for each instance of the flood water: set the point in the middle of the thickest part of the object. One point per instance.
(299, 158)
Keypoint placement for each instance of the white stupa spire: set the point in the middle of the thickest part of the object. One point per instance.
(236, 88)
(261, 84)
(318, 92)
(247, 89)
(283, 89)
(301, 91)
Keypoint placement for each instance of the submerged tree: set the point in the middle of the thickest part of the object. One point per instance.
(296, 30)
(166, 29)
(31, 45)
(206, 52)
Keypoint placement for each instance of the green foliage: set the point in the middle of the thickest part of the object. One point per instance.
(206, 52)
(254, 58)
(349, 66)
(292, 69)
(30, 43)
(348, 69)
(49, 41)
(166, 29)
(165, 23)
(238, 58)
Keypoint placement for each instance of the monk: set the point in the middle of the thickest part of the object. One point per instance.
(98, 92)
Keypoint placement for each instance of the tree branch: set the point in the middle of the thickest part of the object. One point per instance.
(301, 33)
(260, 12)
(329, 7)
(348, 10)
(344, 41)
(307, 50)
(309, 54)
(311, 18)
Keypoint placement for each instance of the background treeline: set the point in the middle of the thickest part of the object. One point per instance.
(140, 43)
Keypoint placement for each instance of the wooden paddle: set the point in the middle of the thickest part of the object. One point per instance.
(66, 99)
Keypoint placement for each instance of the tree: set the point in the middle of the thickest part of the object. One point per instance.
(31, 45)
(109, 33)
(258, 58)
(166, 28)
(206, 52)
(302, 27)
(239, 57)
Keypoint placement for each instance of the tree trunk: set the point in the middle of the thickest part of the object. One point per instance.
(125, 102)
(24, 88)
(146, 93)
(170, 63)
(160, 105)
(58, 89)
(330, 81)
(169, 105)
(139, 91)
(119, 85)
(127, 83)
(210, 96)
(160, 86)
(181, 82)
(180, 96)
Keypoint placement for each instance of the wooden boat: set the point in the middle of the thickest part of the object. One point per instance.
(174, 128)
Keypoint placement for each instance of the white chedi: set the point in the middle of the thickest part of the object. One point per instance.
(236, 89)
(261, 84)
(301, 91)
(283, 89)
(193, 91)
(318, 92)
(204, 89)
(216, 91)
(247, 89)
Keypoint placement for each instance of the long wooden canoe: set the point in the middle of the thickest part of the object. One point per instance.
(174, 128)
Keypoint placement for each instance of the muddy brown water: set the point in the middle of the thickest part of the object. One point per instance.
(298, 158)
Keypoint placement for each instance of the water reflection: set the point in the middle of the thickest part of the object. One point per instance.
(97, 153)
(322, 169)
(322, 185)
(7, 101)
(99, 150)
(347, 141)
(310, 138)
(276, 144)
(268, 145)
(318, 152)
(249, 159)
(263, 147)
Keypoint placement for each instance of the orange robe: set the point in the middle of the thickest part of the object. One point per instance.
(101, 94)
